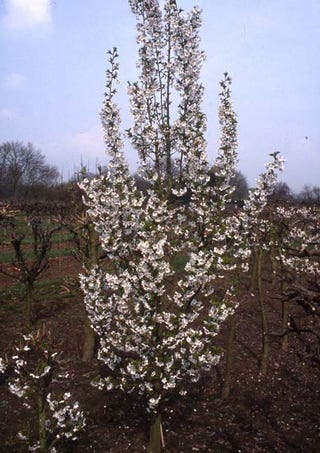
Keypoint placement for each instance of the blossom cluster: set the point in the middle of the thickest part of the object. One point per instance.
(253, 217)
(31, 370)
(67, 420)
(300, 239)
(170, 144)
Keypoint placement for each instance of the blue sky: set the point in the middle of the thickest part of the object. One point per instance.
(52, 76)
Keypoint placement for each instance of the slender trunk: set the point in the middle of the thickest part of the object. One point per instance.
(42, 424)
(273, 249)
(253, 268)
(88, 342)
(29, 305)
(284, 307)
(285, 338)
(89, 335)
(264, 322)
(155, 434)
(274, 263)
(229, 357)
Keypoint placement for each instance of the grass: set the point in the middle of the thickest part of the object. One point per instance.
(46, 289)
(8, 257)
(56, 239)
(21, 227)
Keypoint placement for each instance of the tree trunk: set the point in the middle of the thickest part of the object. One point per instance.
(284, 314)
(42, 424)
(89, 335)
(285, 338)
(264, 322)
(275, 267)
(89, 341)
(253, 268)
(155, 434)
(229, 357)
(29, 306)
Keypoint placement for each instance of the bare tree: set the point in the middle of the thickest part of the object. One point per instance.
(21, 166)
(309, 196)
(282, 194)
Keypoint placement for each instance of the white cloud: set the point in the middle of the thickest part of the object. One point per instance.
(7, 114)
(86, 146)
(88, 142)
(14, 81)
(27, 14)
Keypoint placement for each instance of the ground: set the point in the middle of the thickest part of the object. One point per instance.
(278, 412)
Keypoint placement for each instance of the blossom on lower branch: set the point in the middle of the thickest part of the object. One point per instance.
(148, 350)
(32, 368)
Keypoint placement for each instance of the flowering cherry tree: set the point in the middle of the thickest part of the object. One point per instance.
(259, 234)
(155, 306)
(297, 252)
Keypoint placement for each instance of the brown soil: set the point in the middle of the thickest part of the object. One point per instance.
(275, 413)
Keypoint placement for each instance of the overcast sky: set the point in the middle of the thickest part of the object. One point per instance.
(52, 76)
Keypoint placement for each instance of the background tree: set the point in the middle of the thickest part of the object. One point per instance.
(259, 230)
(281, 194)
(25, 269)
(241, 187)
(239, 181)
(309, 196)
(23, 166)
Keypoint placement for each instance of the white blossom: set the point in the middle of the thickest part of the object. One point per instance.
(3, 365)
(32, 373)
